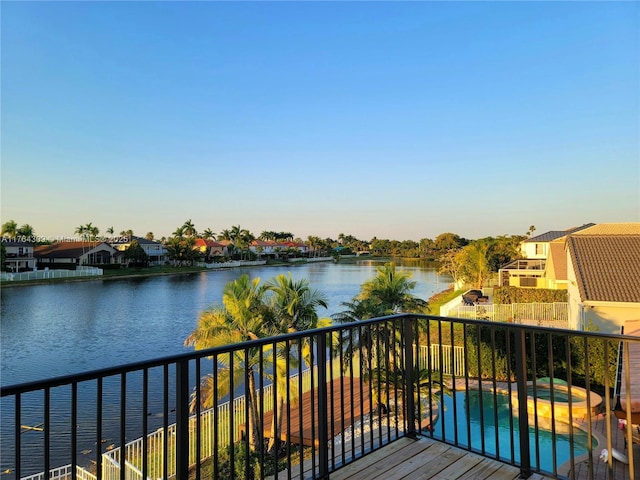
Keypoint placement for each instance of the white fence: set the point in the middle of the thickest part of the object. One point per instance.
(452, 359)
(47, 274)
(232, 264)
(554, 315)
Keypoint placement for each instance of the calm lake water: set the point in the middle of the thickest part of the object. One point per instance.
(53, 330)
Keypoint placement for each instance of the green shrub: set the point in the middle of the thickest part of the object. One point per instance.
(240, 468)
(508, 295)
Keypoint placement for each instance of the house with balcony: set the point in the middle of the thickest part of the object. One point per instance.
(19, 256)
(156, 251)
(70, 255)
(531, 269)
(603, 276)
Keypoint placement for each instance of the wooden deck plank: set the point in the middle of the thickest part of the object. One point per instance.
(427, 464)
(381, 461)
(344, 414)
(461, 466)
(481, 471)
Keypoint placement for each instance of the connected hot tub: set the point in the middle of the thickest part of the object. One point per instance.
(557, 401)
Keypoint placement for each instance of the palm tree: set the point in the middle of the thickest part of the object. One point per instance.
(9, 229)
(295, 306)
(176, 250)
(360, 344)
(391, 290)
(91, 230)
(225, 235)
(149, 236)
(208, 233)
(241, 238)
(189, 229)
(109, 231)
(25, 230)
(179, 233)
(241, 317)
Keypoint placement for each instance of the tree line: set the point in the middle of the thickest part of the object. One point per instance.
(467, 261)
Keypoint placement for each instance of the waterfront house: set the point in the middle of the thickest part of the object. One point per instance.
(155, 250)
(266, 248)
(210, 248)
(531, 269)
(603, 271)
(19, 256)
(69, 255)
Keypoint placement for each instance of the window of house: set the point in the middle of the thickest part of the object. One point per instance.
(528, 282)
(539, 249)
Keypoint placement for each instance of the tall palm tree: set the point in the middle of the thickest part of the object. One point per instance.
(241, 238)
(9, 229)
(109, 231)
(241, 317)
(295, 306)
(25, 230)
(189, 229)
(391, 290)
(91, 230)
(149, 236)
(225, 235)
(179, 232)
(208, 233)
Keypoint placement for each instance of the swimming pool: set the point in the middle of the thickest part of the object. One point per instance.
(468, 406)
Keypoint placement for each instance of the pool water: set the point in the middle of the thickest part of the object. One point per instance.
(559, 395)
(468, 406)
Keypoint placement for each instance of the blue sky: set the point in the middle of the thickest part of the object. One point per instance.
(399, 120)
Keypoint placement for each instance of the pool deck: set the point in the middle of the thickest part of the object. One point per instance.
(600, 468)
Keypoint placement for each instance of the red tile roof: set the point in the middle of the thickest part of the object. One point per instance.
(66, 249)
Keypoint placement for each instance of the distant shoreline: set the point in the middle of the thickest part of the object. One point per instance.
(166, 270)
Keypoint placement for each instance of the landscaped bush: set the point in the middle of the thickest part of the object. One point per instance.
(508, 295)
(489, 353)
(537, 356)
(239, 467)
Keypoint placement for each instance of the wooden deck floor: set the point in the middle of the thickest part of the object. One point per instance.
(426, 459)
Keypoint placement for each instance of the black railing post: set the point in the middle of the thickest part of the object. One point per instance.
(523, 416)
(323, 410)
(409, 380)
(182, 419)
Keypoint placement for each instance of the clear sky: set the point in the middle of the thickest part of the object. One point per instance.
(400, 120)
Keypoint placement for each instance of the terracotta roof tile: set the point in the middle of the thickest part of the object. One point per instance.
(607, 266)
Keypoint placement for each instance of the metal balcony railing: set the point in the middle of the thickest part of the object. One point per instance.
(305, 404)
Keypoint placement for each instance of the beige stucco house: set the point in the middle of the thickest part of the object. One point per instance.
(541, 265)
(603, 276)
